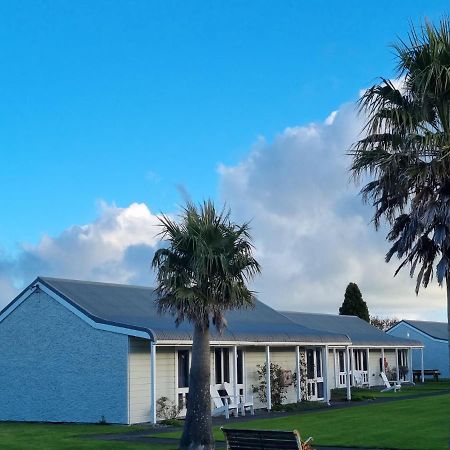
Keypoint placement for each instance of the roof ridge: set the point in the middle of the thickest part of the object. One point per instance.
(424, 321)
(103, 283)
(315, 313)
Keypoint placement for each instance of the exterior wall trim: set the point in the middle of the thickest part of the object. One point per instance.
(182, 343)
(170, 343)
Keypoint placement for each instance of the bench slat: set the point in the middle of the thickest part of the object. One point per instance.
(238, 439)
(259, 438)
(274, 433)
(260, 445)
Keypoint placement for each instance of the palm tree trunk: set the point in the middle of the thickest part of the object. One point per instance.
(447, 282)
(197, 432)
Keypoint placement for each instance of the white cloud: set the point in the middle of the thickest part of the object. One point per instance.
(117, 247)
(311, 230)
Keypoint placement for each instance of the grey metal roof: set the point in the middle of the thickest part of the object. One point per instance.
(359, 331)
(438, 330)
(134, 307)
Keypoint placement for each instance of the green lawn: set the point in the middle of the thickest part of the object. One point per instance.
(25, 436)
(421, 423)
(418, 389)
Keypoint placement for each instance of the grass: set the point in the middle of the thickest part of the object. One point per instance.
(414, 424)
(367, 394)
(39, 436)
(419, 423)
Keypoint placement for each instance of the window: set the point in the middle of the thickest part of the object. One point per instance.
(218, 365)
(222, 365)
(360, 359)
(341, 361)
(320, 390)
(183, 368)
(310, 364)
(319, 363)
(226, 365)
(402, 358)
(240, 367)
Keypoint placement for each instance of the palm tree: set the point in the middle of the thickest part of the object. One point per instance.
(405, 150)
(203, 273)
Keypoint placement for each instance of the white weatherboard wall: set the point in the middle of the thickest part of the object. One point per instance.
(139, 380)
(165, 373)
(253, 356)
(285, 358)
(54, 367)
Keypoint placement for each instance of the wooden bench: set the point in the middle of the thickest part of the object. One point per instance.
(264, 440)
(427, 372)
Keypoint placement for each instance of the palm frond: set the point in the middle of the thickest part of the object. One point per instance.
(206, 267)
(405, 152)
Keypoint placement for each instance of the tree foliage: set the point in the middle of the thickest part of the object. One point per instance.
(205, 268)
(406, 152)
(383, 323)
(353, 304)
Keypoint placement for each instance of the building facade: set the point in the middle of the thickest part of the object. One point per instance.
(74, 351)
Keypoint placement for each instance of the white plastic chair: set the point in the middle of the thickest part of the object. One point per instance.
(222, 404)
(242, 402)
(390, 385)
(358, 377)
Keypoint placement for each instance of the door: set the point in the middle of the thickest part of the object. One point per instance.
(360, 357)
(340, 367)
(314, 374)
(402, 362)
(183, 368)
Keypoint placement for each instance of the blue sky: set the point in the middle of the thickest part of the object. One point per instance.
(137, 101)
(124, 101)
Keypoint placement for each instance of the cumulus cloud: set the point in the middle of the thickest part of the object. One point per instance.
(311, 230)
(117, 247)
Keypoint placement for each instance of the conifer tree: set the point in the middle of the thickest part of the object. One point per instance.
(353, 304)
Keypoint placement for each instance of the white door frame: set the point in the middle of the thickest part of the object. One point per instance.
(312, 383)
(340, 369)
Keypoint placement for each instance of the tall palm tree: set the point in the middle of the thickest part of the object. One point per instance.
(203, 273)
(406, 153)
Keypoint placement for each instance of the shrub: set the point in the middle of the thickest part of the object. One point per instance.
(172, 422)
(166, 409)
(280, 380)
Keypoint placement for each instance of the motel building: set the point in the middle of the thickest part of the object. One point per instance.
(78, 351)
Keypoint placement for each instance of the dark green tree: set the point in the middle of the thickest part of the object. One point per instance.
(405, 152)
(200, 275)
(353, 304)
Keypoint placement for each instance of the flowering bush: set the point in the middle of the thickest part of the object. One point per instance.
(280, 380)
